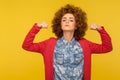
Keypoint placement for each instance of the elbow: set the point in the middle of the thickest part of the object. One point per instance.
(109, 49)
(24, 46)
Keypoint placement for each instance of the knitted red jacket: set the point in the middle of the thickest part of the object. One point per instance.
(46, 48)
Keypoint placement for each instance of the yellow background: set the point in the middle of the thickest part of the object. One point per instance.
(18, 16)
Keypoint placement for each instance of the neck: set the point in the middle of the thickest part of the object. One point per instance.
(68, 35)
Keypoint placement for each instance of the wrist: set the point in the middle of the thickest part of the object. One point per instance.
(39, 25)
(99, 28)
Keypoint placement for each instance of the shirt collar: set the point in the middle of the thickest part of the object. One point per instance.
(66, 42)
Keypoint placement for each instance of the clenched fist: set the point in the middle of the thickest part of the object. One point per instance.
(43, 25)
(95, 27)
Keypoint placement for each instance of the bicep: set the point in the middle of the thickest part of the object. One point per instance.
(35, 47)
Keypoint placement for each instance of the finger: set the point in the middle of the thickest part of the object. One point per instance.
(92, 26)
(45, 25)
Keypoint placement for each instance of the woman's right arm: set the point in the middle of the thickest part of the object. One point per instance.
(28, 43)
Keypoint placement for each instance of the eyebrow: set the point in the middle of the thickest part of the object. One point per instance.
(69, 18)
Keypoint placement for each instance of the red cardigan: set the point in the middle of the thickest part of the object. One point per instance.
(46, 48)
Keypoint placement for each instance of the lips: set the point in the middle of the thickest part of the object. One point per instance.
(66, 25)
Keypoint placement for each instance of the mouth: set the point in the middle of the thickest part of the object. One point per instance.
(66, 25)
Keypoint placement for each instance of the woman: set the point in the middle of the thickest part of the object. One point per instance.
(68, 57)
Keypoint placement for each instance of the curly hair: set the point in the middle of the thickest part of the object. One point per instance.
(80, 19)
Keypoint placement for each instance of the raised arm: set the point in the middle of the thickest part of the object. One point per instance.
(28, 43)
(106, 44)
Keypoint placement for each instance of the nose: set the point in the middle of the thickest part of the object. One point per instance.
(67, 21)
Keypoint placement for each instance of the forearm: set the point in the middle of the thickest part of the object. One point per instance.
(106, 40)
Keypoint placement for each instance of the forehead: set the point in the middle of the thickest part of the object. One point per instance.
(68, 15)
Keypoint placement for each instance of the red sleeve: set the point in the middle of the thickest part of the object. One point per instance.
(28, 41)
(105, 46)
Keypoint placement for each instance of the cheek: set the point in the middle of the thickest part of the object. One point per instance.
(62, 23)
(73, 24)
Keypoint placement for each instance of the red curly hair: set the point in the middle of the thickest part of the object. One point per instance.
(80, 18)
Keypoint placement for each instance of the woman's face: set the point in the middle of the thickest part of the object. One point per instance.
(68, 22)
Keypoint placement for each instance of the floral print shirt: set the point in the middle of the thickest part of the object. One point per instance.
(68, 60)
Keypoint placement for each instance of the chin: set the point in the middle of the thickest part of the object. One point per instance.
(67, 29)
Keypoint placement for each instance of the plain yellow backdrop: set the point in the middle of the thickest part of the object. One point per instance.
(18, 16)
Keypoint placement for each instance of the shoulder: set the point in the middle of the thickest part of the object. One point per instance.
(83, 41)
(51, 42)
(53, 39)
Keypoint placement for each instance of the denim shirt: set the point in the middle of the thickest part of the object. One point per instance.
(68, 60)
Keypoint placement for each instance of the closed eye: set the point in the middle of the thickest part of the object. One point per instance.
(71, 20)
(63, 20)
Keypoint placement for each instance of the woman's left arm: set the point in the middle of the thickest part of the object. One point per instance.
(106, 45)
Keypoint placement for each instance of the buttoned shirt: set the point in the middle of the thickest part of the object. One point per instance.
(68, 60)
